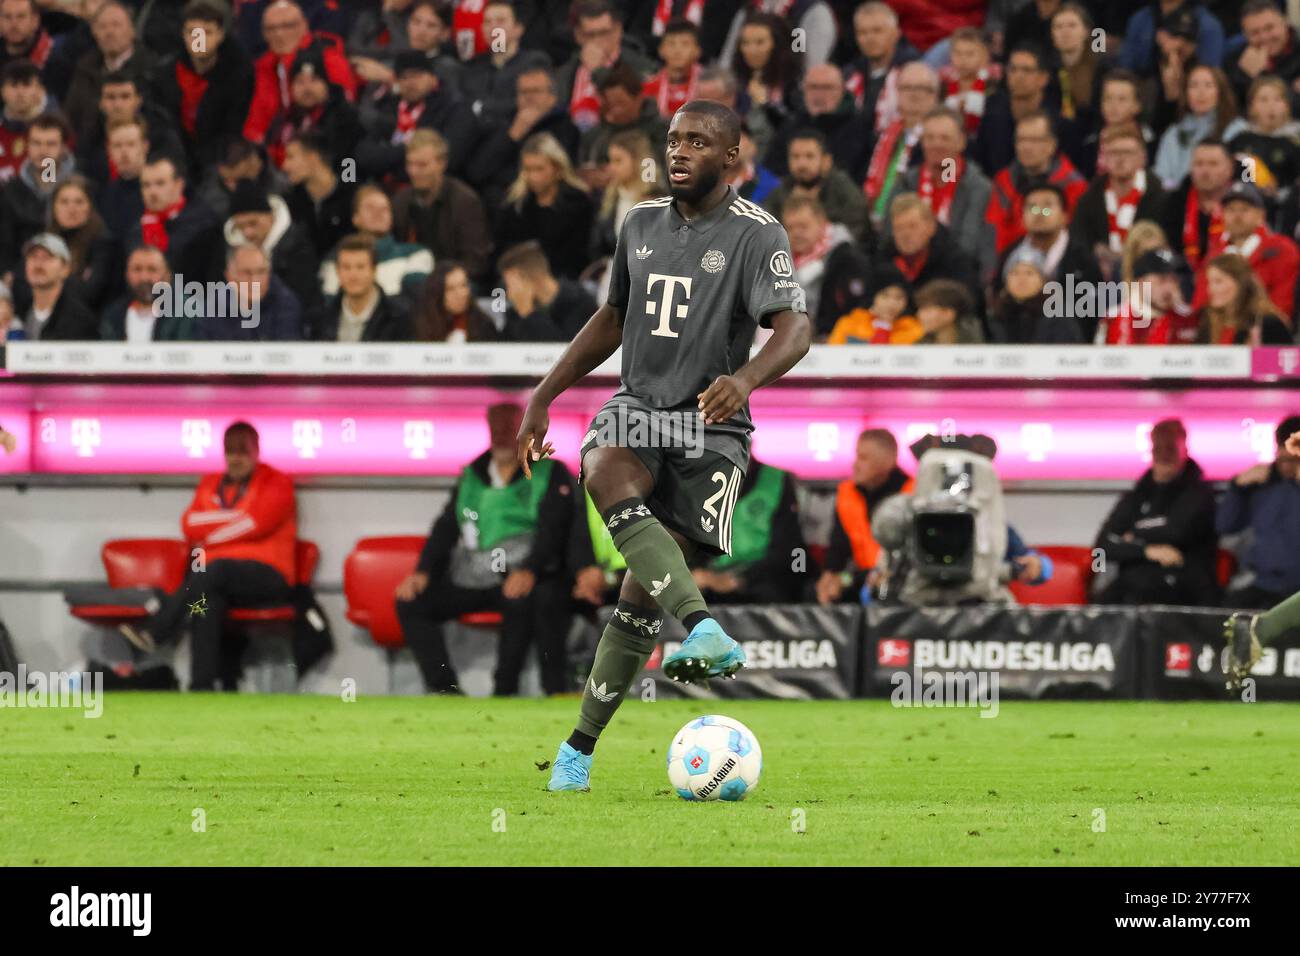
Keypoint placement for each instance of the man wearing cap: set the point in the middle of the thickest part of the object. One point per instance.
(56, 314)
(262, 219)
(419, 103)
(315, 104)
(1274, 258)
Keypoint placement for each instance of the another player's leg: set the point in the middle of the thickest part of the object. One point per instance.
(1246, 634)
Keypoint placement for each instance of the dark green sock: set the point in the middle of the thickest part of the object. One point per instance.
(1274, 623)
(654, 558)
(624, 647)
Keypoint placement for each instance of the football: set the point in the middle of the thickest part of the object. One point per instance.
(714, 758)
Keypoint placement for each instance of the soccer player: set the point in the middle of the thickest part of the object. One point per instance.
(1247, 633)
(693, 275)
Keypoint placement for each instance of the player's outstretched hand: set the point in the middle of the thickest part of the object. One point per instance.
(726, 396)
(532, 444)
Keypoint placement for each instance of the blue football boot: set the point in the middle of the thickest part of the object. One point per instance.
(707, 652)
(571, 770)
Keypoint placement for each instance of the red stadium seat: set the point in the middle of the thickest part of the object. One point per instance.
(306, 557)
(1072, 569)
(371, 574)
(136, 562)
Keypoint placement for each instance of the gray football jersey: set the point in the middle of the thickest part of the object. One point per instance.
(693, 293)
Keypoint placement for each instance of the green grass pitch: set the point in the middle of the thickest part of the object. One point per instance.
(316, 780)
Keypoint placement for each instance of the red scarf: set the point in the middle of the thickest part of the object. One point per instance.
(818, 251)
(1191, 233)
(584, 104)
(407, 117)
(940, 195)
(970, 104)
(41, 49)
(664, 12)
(153, 225)
(913, 269)
(886, 146)
(668, 96)
(467, 28)
(1121, 211)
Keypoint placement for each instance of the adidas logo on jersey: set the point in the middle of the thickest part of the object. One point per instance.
(706, 523)
(644, 252)
(600, 693)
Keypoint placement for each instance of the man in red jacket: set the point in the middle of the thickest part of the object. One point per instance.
(242, 529)
(286, 32)
(1036, 159)
(1273, 257)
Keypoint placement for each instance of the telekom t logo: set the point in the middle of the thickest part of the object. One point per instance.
(1289, 360)
(1036, 440)
(670, 284)
(823, 440)
(85, 436)
(308, 437)
(196, 436)
(418, 438)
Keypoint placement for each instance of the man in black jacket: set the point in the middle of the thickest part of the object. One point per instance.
(263, 220)
(1159, 538)
(56, 314)
(122, 99)
(488, 81)
(361, 312)
(542, 307)
(319, 199)
(117, 48)
(828, 108)
(499, 544)
(186, 231)
(922, 249)
(315, 104)
(25, 199)
(1126, 187)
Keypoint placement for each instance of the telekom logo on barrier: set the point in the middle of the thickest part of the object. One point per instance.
(196, 436)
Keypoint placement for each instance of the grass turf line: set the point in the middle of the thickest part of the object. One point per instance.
(310, 780)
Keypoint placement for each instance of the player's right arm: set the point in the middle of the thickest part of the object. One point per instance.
(594, 343)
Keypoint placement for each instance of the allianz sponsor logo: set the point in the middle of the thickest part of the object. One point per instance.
(804, 655)
(785, 284)
(1013, 656)
(75, 908)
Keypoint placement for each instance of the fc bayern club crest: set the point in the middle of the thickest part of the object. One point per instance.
(713, 261)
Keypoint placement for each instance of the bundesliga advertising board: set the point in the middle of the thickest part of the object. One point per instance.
(767, 437)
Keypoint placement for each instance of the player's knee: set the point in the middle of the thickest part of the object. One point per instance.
(614, 474)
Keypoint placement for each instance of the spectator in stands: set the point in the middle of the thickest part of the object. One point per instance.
(1267, 138)
(244, 526)
(120, 200)
(1193, 216)
(1176, 56)
(970, 79)
(719, 84)
(1032, 23)
(827, 108)
(635, 175)
(599, 36)
(24, 99)
(766, 544)
(1237, 308)
(238, 160)
(539, 110)
(25, 200)
(1079, 66)
(1121, 107)
(318, 106)
(1021, 315)
(946, 311)
(1116, 199)
(94, 263)
(922, 249)
(489, 80)
(543, 308)
(957, 191)
(672, 86)
(425, 26)
(188, 233)
(286, 33)
(813, 17)
(262, 219)
(889, 321)
(133, 318)
(766, 76)
(445, 310)
(206, 88)
(1138, 53)
(116, 50)
(547, 202)
(1265, 499)
(324, 16)
(1159, 316)
(1207, 106)
(623, 108)
(751, 180)
(121, 98)
(1036, 159)
(813, 174)
(419, 103)
(1271, 49)
(897, 146)
(362, 311)
(440, 212)
(494, 514)
(268, 311)
(827, 263)
(320, 199)
(24, 38)
(853, 550)
(57, 312)
(1273, 258)
(401, 267)
(1047, 229)
(1158, 540)
(872, 78)
(1024, 95)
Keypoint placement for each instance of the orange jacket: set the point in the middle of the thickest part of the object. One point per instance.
(851, 508)
(263, 525)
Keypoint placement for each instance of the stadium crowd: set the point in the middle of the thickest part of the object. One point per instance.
(1012, 171)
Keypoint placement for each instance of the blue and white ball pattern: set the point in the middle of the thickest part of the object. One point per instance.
(714, 758)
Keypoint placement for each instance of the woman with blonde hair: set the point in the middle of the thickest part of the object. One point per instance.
(549, 203)
(1145, 236)
(1238, 310)
(634, 176)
